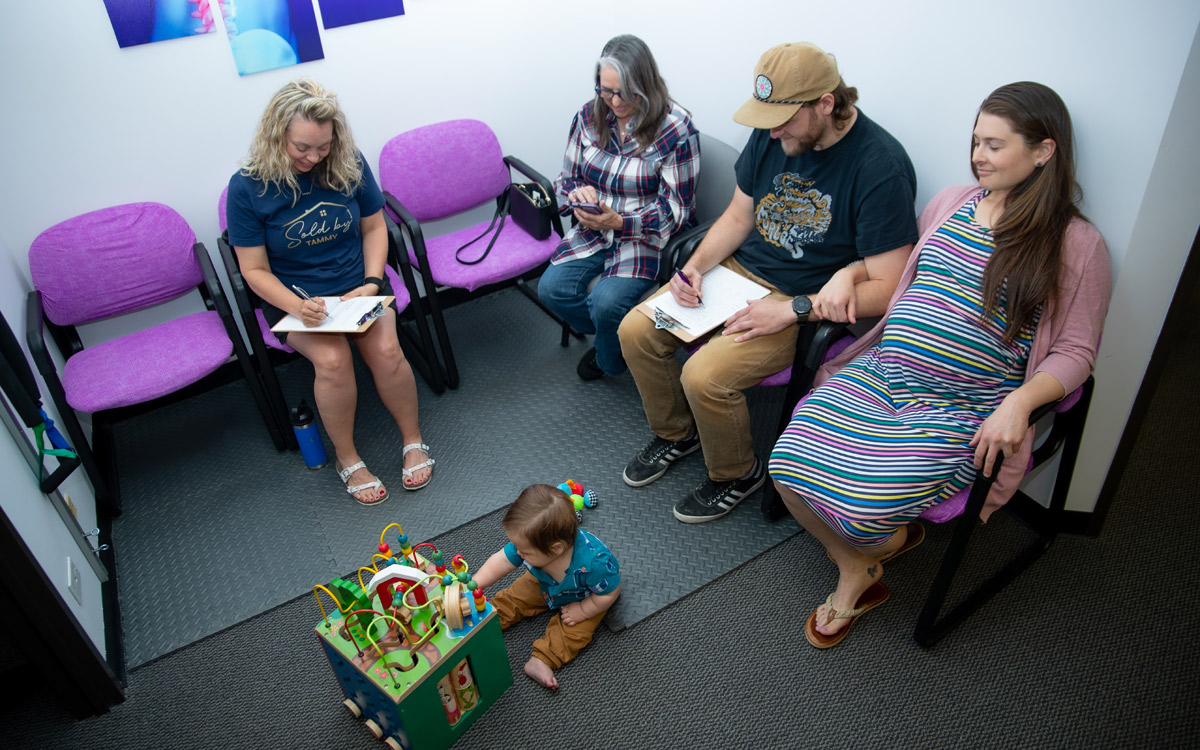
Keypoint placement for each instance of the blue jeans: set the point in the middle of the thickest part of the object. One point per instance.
(564, 289)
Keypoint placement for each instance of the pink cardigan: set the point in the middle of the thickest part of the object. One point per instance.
(1068, 333)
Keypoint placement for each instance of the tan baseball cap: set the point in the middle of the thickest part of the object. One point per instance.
(785, 77)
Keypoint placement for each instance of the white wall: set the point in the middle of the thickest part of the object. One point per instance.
(31, 512)
(87, 124)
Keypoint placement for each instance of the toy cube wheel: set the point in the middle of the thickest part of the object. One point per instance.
(374, 728)
(353, 708)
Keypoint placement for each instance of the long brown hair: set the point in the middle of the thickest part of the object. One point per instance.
(640, 80)
(1029, 235)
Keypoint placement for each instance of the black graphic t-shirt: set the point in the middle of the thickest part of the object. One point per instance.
(315, 244)
(816, 212)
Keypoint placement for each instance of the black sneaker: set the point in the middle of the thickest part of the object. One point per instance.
(587, 368)
(656, 458)
(712, 500)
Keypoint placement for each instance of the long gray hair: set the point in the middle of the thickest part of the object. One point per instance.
(641, 86)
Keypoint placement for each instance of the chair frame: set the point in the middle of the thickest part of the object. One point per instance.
(419, 352)
(1065, 433)
(417, 236)
(96, 455)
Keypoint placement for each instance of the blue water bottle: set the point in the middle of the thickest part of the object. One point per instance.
(309, 436)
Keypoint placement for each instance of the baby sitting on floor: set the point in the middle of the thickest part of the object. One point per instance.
(567, 569)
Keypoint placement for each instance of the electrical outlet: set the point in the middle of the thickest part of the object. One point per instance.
(74, 582)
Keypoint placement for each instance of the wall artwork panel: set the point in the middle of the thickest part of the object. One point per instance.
(269, 34)
(335, 13)
(143, 21)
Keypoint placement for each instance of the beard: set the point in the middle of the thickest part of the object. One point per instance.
(804, 142)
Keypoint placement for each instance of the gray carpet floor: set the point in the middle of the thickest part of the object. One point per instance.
(1092, 647)
(212, 509)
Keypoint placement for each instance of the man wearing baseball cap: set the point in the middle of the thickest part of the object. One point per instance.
(823, 217)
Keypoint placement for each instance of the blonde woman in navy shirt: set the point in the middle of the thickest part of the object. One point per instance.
(306, 218)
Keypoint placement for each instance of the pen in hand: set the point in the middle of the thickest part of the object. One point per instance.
(307, 298)
(688, 284)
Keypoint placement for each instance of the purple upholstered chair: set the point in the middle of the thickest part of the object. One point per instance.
(248, 307)
(108, 263)
(444, 169)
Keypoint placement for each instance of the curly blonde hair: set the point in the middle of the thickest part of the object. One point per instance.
(268, 161)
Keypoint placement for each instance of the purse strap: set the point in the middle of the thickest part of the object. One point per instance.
(501, 214)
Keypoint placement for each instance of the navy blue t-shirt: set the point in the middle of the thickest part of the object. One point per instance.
(817, 212)
(315, 244)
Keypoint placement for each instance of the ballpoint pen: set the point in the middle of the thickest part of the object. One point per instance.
(306, 296)
(688, 284)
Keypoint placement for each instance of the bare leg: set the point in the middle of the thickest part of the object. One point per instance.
(395, 383)
(336, 393)
(858, 568)
(541, 673)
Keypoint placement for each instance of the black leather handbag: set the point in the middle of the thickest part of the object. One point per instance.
(530, 207)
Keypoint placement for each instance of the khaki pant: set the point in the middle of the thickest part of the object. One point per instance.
(562, 642)
(705, 393)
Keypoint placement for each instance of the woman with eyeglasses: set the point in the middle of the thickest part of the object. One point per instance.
(628, 179)
(306, 221)
(998, 312)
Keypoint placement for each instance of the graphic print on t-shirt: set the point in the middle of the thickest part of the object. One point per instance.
(793, 214)
(322, 223)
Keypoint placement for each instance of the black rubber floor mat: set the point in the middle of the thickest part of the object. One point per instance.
(218, 526)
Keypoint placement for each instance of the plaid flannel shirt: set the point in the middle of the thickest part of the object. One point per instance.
(653, 189)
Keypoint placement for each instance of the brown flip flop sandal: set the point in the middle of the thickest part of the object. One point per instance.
(875, 595)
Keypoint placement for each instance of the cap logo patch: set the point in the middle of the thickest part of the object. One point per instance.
(762, 88)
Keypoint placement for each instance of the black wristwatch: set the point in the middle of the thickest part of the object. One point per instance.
(374, 280)
(802, 306)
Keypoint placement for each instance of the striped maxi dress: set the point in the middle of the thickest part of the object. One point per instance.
(887, 436)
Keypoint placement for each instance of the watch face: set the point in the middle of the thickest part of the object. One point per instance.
(801, 305)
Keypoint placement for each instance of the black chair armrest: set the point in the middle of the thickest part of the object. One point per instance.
(411, 225)
(242, 294)
(35, 335)
(397, 258)
(519, 165)
(214, 296)
(679, 248)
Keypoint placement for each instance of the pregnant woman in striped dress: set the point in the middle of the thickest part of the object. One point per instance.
(998, 312)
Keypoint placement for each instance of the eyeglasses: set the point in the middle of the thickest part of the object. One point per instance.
(608, 94)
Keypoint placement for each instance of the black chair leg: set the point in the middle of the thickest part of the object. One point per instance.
(104, 459)
(566, 329)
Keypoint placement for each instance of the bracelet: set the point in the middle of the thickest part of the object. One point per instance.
(373, 280)
(855, 262)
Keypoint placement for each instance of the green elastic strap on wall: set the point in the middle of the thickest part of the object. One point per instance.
(39, 434)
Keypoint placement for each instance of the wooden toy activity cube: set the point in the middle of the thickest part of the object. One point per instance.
(416, 648)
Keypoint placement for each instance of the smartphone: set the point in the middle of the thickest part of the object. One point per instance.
(589, 208)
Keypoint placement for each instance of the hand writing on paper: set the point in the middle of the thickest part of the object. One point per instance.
(312, 312)
(687, 294)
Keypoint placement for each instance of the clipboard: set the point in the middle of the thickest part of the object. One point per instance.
(725, 292)
(349, 316)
